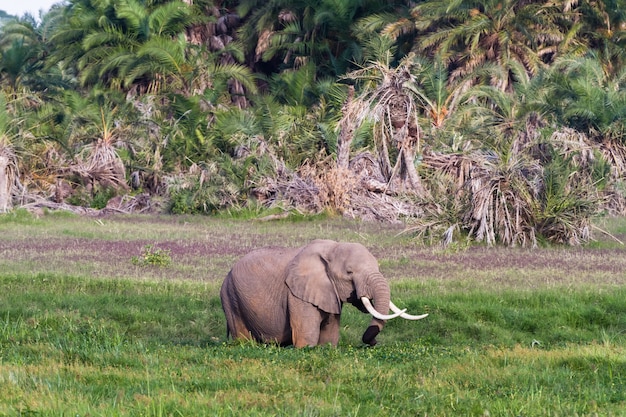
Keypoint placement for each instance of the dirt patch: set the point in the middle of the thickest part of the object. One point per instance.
(205, 250)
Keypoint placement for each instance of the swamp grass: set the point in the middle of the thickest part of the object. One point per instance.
(84, 331)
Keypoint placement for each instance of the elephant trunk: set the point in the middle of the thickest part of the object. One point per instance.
(380, 293)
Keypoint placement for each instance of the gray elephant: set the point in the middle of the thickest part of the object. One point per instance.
(294, 296)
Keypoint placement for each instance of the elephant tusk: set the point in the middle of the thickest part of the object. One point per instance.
(368, 305)
(395, 309)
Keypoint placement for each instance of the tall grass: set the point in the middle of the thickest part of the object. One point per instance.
(153, 344)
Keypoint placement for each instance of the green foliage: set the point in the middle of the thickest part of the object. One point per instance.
(96, 200)
(124, 43)
(285, 34)
(204, 190)
(569, 202)
(5, 122)
(17, 216)
(583, 95)
(245, 87)
(152, 256)
(102, 197)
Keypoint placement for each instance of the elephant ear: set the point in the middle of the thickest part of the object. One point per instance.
(307, 276)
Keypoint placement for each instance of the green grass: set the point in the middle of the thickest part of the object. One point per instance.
(504, 339)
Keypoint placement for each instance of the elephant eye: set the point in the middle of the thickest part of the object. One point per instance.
(349, 271)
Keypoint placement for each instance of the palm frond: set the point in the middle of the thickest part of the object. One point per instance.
(371, 24)
(170, 18)
(237, 72)
(133, 14)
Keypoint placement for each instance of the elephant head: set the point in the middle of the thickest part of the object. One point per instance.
(326, 274)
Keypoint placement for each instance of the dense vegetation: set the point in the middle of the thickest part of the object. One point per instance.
(502, 121)
(86, 330)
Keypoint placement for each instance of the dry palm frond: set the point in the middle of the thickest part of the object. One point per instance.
(356, 193)
(457, 166)
(491, 197)
(615, 200)
(204, 188)
(126, 204)
(575, 145)
(369, 199)
(303, 194)
(614, 152)
(372, 206)
(100, 163)
(346, 131)
(335, 185)
(263, 44)
(592, 163)
(290, 189)
(368, 169)
(504, 194)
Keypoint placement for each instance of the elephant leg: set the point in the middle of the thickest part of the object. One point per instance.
(329, 332)
(305, 320)
(235, 326)
(239, 330)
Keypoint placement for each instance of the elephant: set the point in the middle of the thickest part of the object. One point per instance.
(294, 296)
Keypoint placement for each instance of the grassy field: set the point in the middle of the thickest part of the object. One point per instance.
(87, 330)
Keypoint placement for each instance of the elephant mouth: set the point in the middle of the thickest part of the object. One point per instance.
(397, 312)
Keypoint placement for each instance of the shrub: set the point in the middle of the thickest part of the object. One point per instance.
(152, 256)
(203, 189)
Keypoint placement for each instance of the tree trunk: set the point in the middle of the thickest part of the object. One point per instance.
(404, 176)
(346, 132)
(5, 184)
(410, 176)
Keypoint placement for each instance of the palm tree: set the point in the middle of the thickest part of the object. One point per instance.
(590, 106)
(287, 34)
(389, 97)
(8, 175)
(160, 51)
(217, 76)
(71, 42)
(446, 107)
(14, 63)
(495, 190)
(24, 46)
(212, 37)
(469, 34)
(598, 26)
(583, 96)
(497, 119)
(123, 43)
(92, 132)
